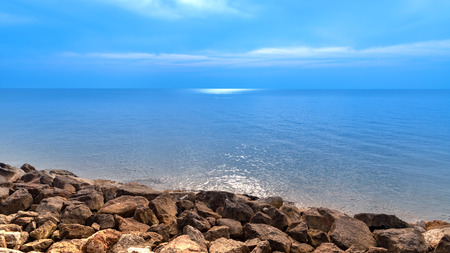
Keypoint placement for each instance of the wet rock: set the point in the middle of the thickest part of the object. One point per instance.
(291, 211)
(436, 224)
(76, 214)
(274, 201)
(193, 219)
(61, 181)
(14, 240)
(134, 189)
(19, 200)
(224, 245)
(39, 245)
(433, 236)
(401, 240)
(299, 231)
(51, 205)
(66, 246)
(297, 247)
(347, 232)
(127, 241)
(92, 198)
(279, 219)
(238, 211)
(44, 231)
(27, 168)
(215, 199)
(317, 237)
(145, 215)
(443, 245)
(234, 227)
(328, 248)
(278, 240)
(75, 231)
(127, 225)
(203, 210)
(182, 244)
(124, 206)
(217, 232)
(102, 241)
(194, 234)
(165, 209)
(104, 220)
(321, 218)
(381, 221)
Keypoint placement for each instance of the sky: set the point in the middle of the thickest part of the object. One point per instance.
(304, 44)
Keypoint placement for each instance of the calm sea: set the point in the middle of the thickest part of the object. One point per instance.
(354, 150)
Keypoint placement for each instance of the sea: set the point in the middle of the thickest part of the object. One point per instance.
(383, 151)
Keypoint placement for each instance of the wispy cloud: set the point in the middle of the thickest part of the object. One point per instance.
(175, 9)
(286, 57)
(10, 19)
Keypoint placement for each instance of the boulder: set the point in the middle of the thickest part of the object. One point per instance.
(278, 240)
(299, 231)
(217, 232)
(194, 234)
(19, 200)
(38, 177)
(184, 204)
(44, 231)
(279, 219)
(14, 240)
(51, 205)
(261, 218)
(443, 245)
(317, 237)
(39, 245)
(161, 229)
(27, 168)
(401, 240)
(237, 210)
(203, 210)
(52, 192)
(61, 181)
(193, 219)
(127, 241)
(76, 214)
(215, 199)
(108, 188)
(274, 201)
(75, 231)
(66, 246)
(33, 189)
(134, 189)
(381, 221)
(9, 173)
(182, 244)
(127, 225)
(347, 232)
(124, 206)
(145, 215)
(328, 248)
(165, 209)
(104, 220)
(234, 227)
(224, 245)
(434, 236)
(291, 211)
(321, 218)
(102, 241)
(89, 196)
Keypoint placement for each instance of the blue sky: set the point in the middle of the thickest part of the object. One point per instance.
(225, 44)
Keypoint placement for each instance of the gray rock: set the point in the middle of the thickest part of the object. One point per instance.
(76, 214)
(91, 197)
(321, 218)
(402, 240)
(238, 211)
(215, 199)
(19, 200)
(299, 231)
(347, 232)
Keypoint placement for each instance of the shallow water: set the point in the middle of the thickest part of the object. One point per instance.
(357, 151)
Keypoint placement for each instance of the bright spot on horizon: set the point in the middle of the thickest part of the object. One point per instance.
(223, 91)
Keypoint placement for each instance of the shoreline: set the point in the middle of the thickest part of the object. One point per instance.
(57, 211)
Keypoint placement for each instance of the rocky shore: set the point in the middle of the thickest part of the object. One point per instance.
(56, 211)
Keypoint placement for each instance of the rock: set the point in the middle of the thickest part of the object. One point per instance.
(317, 237)
(108, 188)
(261, 218)
(19, 200)
(44, 231)
(165, 209)
(51, 205)
(10, 173)
(11, 228)
(215, 199)
(194, 234)
(4, 193)
(234, 227)
(434, 236)
(377, 250)
(145, 215)
(436, 224)
(252, 243)
(193, 219)
(381, 221)
(38, 177)
(104, 220)
(124, 206)
(238, 211)
(184, 204)
(224, 245)
(127, 225)
(92, 198)
(76, 214)
(102, 241)
(321, 218)
(275, 201)
(56, 236)
(75, 231)
(279, 219)
(328, 248)
(127, 241)
(95, 226)
(217, 232)
(30, 227)
(182, 244)
(444, 245)
(3, 242)
(263, 247)
(277, 239)
(52, 192)
(161, 229)
(203, 210)
(9, 251)
(134, 189)
(62, 173)
(299, 231)
(27, 168)
(347, 232)
(39, 245)
(297, 247)
(66, 246)
(14, 240)
(291, 211)
(33, 189)
(401, 240)
(61, 181)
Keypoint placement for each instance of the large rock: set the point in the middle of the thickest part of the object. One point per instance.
(217, 232)
(215, 199)
(102, 241)
(145, 215)
(183, 244)
(19, 200)
(317, 237)
(52, 192)
(75, 231)
(328, 248)
(278, 240)
(299, 231)
(66, 246)
(124, 206)
(261, 218)
(103, 219)
(27, 168)
(33, 189)
(297, 247)
(234, 227)
(224, 245)
(44, 231)
(89, 196)
(51, 205)
(263, 247)
(205, 211)
(61, 181)
(39, 245)
(443, 245)
(193, 219)
(238, 211)
(127, 241)
(291, 211)
(38, 177)
(11, 228)
(347, 232)
(194, 234)
(134, 189)
(321, 218)
(434, 236)
(10, 173)
(405, 240)
(279, 219)
(161, 229)
(62, 172)
(76, 214)
(14, 240)
(436, 224)
(127, 225)
(381, 221)
(4, 193)
(165, 208)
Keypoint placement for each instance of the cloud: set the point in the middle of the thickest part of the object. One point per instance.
(176, 9)
(9, 19)
(286, 57)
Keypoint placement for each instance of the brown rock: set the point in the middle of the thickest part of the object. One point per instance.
(291, 211)
(76, 214)
(51, 205)
(234, 226)
(104, 220)
(19, 200)
(328, 248)
(262, 247)
(4, 193)
(217, 232)
(321, 218)
(277, 239)
(127, 225)
(274, 201)
(124, 206)
(401, 240)
(261, 218)
(11, 228)
(108, 188)
(44, 231)
(203, 210)
(194, 234)
(279, 219)
(14, 240)
(215, 199)
(38, 177)
(381, 221)
(75, 231)
(127, 241)
(297, 247)
(134, 189)
(56, 236)
(89, 196)
(444, 245)
(184, 204)
(193, 219)
(434, 236)
(23, 221)
(238, 211)
(39, 245)
(377, 250)
(317, 237)
(52, 192)
(182, 244)
(27, 167)
(347, 232)
(10, 173)
(436, 224)
(299, 231)
(66, 246)
(102, 241)
(165, 209)
(223, 245)
(61, 181)
(161, 229)
(62, 173)
(33, 189)
(145, 215)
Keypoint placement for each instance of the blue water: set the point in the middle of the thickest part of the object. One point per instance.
(357, 151)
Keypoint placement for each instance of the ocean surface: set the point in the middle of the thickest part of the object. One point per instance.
(353, 150)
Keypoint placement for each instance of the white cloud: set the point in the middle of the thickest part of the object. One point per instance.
(287, 57)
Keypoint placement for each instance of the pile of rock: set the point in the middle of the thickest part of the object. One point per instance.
(56, 211)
